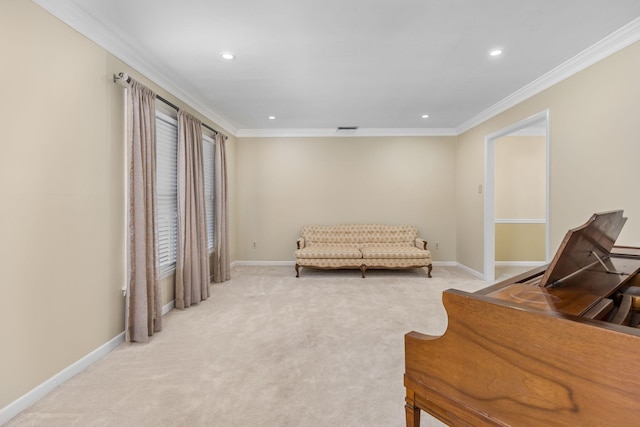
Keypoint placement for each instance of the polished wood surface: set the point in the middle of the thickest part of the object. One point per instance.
(578, 293)
(584, 246)
(500, 365)
(544, 348)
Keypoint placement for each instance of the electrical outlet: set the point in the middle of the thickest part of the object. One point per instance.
(437, 245)
(254, 245)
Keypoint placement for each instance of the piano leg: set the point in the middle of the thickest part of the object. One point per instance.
(413, 412)
(413, 416)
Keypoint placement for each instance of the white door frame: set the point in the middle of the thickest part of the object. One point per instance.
(489, 189)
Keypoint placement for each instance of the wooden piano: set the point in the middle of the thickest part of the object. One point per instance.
(556, 346)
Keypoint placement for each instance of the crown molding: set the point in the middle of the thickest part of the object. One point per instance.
(614, 42)
(332, 132)
(109, 39)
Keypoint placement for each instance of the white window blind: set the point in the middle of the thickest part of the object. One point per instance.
(207, 151)
(166, 189)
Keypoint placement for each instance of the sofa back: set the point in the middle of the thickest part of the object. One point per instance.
(357, 235)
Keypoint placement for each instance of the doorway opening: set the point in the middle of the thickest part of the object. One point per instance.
(504, 204)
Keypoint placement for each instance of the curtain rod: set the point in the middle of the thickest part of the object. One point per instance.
(123, 79)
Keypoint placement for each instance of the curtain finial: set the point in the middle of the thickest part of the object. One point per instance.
(122, 79)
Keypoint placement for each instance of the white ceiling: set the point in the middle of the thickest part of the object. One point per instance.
(376, 64)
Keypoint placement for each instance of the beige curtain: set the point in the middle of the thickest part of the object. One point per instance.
(144, 311)
(221, 264)
(192, 264)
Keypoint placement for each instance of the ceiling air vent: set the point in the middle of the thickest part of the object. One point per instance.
(347, 129)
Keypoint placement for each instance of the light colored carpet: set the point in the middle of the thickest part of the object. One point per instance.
(266, 349)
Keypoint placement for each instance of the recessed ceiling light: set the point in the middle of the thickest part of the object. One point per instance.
(272, 117)
(495, 52)
(227, 55)
(425, 116)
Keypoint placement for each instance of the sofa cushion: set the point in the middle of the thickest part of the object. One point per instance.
(395, 235)
(393, 252)
(351, 234)
(329, 251)
(330, 262)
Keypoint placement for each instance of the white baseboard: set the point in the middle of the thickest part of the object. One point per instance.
(22, 403)
(168, 307)
(445, 264)
(66, 374)
(479, 275)
(293, 263)
(470, 271)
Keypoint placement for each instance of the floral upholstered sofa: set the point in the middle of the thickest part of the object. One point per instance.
(362, 246)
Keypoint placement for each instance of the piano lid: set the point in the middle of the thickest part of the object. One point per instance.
(584, 246)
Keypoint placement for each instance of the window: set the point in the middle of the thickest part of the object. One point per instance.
(166, 189)
(207, 153)
(167, 186)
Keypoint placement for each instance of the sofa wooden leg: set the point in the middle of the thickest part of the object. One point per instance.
(297, 270)
(429, 268)
(363, 268)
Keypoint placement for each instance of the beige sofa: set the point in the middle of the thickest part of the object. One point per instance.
(362, 246)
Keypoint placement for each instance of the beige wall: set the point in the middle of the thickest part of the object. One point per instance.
(520, 194)
(594, 153)
(285, 183)
(61, 186)
(520, 177)
(520, 242)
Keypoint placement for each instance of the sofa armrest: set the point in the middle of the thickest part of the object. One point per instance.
(421, 244)
(300, 243)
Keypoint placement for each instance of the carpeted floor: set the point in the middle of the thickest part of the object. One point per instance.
(266, 349)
